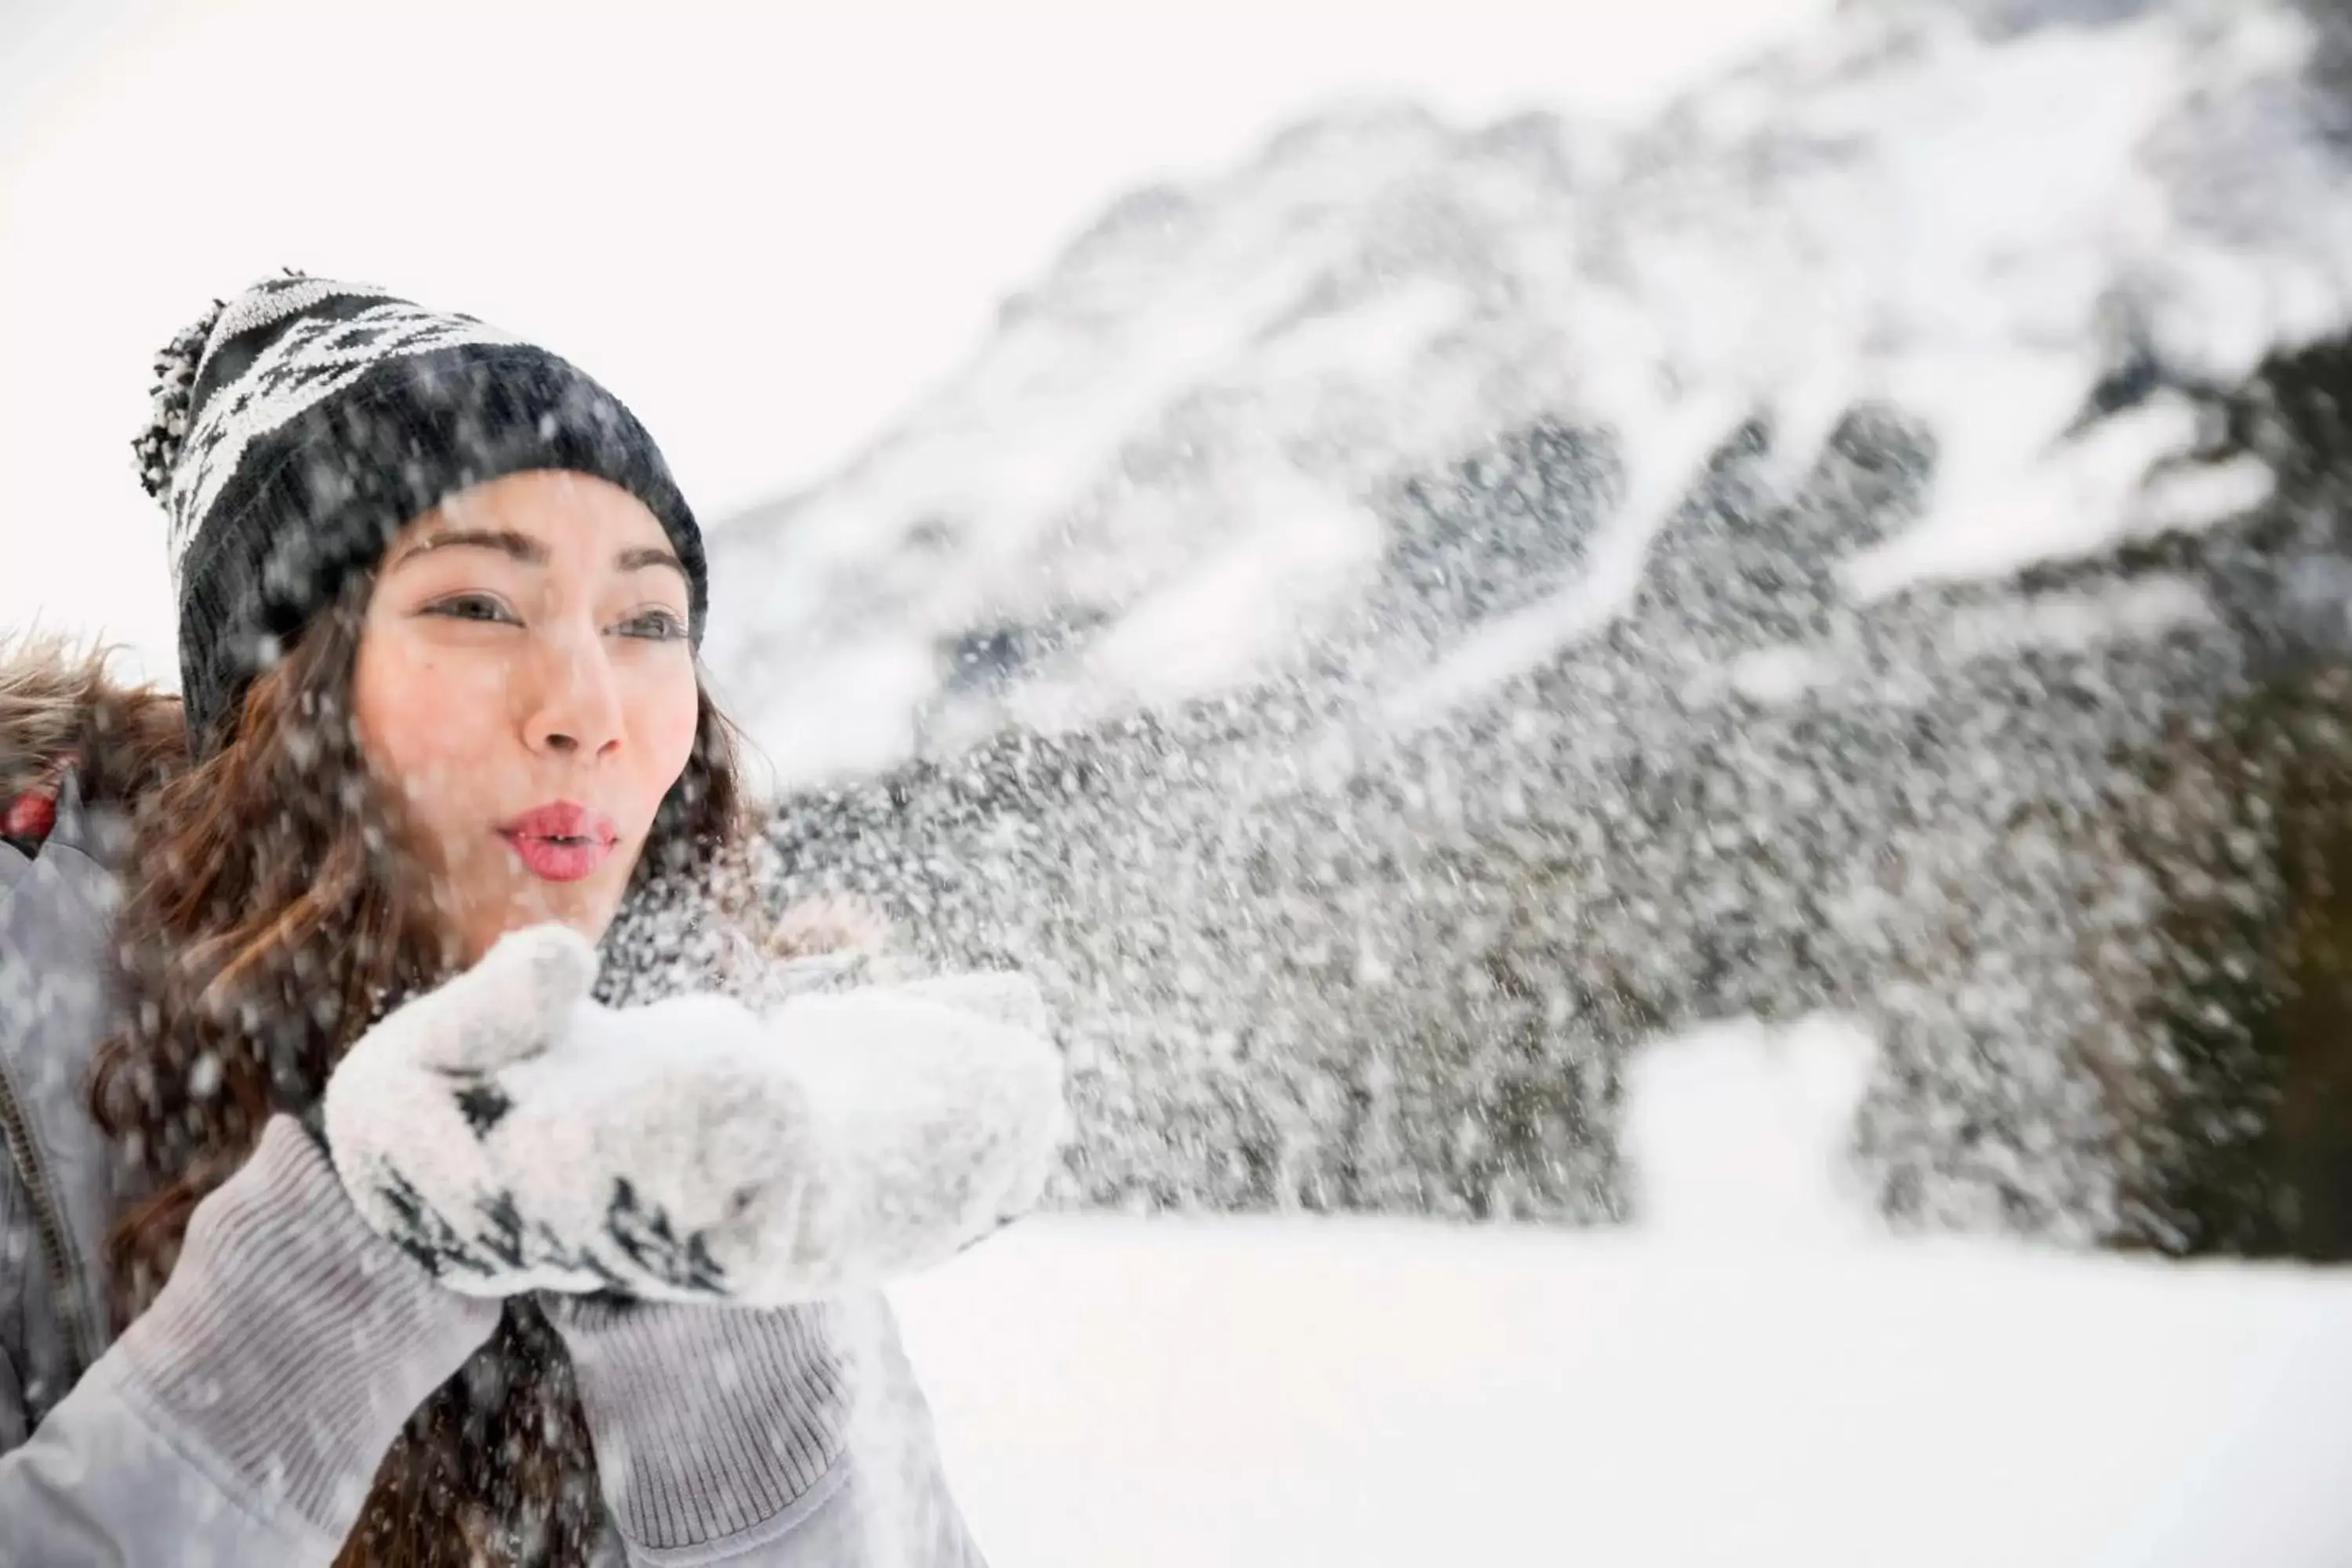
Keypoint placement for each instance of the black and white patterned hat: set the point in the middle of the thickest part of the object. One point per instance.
(300, 425)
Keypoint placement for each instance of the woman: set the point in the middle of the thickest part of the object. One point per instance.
(362, 1238)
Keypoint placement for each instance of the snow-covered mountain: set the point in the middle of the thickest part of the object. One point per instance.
(1388, 630)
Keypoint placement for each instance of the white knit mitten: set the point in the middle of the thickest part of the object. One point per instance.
(513, 1135)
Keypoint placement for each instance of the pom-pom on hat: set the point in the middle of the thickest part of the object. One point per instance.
(297, 428)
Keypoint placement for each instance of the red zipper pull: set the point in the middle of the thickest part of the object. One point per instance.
(29, 817)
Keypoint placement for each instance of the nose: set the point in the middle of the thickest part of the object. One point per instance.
(573, 707)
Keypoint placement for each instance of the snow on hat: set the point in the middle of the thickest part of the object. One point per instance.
(300, 425)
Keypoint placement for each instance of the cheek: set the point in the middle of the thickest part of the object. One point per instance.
(418, 729)
(662, 719)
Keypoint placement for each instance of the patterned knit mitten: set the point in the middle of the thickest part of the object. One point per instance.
(513, 1135)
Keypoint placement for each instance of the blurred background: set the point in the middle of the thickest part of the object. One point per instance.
(1663, 692)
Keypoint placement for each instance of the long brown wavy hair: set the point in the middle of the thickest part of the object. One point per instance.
(269, 917)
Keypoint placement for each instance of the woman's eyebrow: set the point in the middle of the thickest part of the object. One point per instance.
(649, 556)
(521, 547)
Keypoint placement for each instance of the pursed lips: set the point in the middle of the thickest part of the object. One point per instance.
(561, 841)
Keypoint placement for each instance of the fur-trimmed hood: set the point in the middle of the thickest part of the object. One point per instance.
(62, 707)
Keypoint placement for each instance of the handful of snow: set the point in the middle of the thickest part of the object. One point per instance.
(513, 1135)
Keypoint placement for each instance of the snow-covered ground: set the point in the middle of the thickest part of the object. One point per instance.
(1745, 1377)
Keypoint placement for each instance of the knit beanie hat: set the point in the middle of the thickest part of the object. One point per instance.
(297, 428)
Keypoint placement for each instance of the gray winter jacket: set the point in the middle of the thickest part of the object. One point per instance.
(241, 1419)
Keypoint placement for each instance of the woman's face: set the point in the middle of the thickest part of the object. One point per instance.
(526, 683)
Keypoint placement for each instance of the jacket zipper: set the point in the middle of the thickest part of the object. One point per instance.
(81, 1349)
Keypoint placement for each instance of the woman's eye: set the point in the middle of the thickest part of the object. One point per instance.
(655, 626)
(471, 607)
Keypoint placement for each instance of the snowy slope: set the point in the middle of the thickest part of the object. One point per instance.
(1741, 1379)
(1171, 454)
(1388, 636)
(1404, 639)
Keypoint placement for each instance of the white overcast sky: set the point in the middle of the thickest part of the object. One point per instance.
(767, 225)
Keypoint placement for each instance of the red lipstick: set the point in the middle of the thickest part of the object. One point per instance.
(561, 842)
